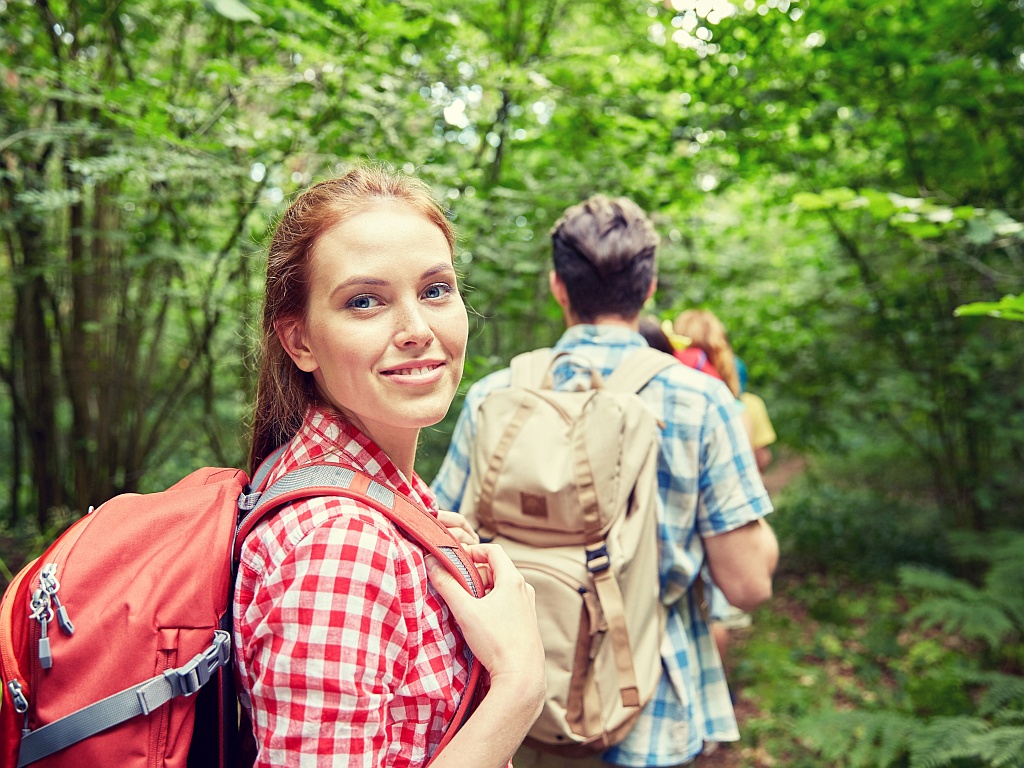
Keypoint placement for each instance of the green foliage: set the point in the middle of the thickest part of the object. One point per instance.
(960, 695)
(858, 532)
(956, 607)
(859, 739)
(967, 741)
(833, 179)
(1008, 308)
(992, 612)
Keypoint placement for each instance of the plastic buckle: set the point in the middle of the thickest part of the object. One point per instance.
(248, 499)
(604, 562)
(189, 678)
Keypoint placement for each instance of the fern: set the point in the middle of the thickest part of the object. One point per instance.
(944, 740)
(986, 726)
(1000, 747)
(979, 620)
(1002, 694)
(989, 614)
(1004, 579)
(859, 739)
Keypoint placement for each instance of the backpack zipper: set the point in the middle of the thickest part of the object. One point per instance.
(8, 662)
(44, 599)
(41, 611)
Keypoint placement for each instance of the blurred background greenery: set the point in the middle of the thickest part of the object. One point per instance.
(840, 181)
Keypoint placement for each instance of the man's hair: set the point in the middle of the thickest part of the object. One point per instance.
(605, 251)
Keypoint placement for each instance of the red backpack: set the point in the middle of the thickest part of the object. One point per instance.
(109, 639)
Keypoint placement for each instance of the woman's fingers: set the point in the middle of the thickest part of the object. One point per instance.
(458, 526)
(501, 627)
(446, 585)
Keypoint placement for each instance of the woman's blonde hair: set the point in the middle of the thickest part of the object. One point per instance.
(706, 331)
(283, 392)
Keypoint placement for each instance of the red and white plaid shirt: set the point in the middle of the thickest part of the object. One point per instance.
(346, 654)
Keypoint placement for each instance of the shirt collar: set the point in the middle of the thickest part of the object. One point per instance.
(599, 335)
(327, 438)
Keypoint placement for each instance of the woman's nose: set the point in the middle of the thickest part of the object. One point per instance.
(413, 328)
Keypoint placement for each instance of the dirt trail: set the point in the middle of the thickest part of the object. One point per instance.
(781, 471)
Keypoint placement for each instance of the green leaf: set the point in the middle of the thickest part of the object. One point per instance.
(922, 230)
(1007, 308)
(980, 232)
(232, 9)
(808, 201)
(879, 203)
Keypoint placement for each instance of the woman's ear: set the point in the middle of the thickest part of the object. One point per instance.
(292, 335)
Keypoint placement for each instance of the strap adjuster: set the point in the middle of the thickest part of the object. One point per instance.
(598, 559)
(189, 678)
(248, 499)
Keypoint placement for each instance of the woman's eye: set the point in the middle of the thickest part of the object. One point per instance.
(363, 302)
(437, 290)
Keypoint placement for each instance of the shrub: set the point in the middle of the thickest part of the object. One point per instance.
(859, 533)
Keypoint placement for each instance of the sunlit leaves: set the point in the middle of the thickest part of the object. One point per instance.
(235, 10)
(1008, 308)
(921, 218)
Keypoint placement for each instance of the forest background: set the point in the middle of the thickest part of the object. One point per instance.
(836, 179)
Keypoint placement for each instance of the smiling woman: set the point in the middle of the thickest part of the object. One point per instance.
(352, 649)
(384, 334)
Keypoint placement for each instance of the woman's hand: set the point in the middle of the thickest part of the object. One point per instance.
(458, 526)
(500, 627)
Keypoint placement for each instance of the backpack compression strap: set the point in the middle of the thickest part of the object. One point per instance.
(137, 700)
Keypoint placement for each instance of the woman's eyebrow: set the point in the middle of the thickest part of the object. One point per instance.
(443, 268)
(377, 282)
(359, 280)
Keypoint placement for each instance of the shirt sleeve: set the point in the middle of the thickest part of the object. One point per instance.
(730, 491)
(329, 648)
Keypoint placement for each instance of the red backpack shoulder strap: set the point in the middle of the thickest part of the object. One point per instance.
(350, 482)
(419, 524)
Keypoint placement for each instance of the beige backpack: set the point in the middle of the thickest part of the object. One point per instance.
(566, 482)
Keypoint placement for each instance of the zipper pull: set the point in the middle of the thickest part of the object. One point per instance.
(18, 697)
(20, 703)
(42, 612)
(45, 657)
(49, 583)
(63, 620)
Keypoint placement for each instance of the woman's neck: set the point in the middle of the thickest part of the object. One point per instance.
(399, 445)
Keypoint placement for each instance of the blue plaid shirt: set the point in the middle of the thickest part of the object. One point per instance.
(708, 483)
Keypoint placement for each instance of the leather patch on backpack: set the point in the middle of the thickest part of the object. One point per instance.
(533, 506)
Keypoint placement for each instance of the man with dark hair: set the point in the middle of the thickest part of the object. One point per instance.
(713, 500)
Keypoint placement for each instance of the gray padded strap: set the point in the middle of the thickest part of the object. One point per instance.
(140, 699)
(265, 468)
